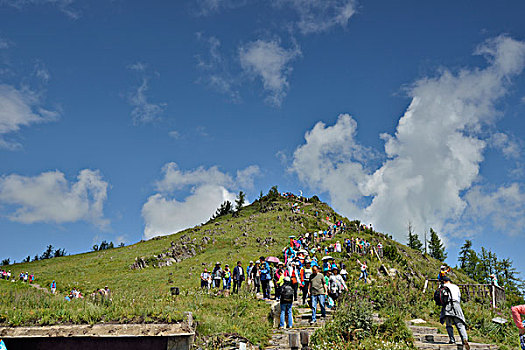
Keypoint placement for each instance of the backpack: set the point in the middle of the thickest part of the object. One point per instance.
(287, 295)
(442, 296)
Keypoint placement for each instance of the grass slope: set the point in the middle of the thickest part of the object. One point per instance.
(143, 295)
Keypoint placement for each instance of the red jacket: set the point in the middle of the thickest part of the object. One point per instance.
(517, 311)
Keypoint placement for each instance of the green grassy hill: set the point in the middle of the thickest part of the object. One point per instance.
(143, 295)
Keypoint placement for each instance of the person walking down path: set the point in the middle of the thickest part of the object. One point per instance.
(286, 301)
(238, 277)
(517, 311)
(53, 287)
(318, 290)
(451, 313)
(364, 272)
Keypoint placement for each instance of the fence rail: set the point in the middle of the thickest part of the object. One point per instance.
(484, 293)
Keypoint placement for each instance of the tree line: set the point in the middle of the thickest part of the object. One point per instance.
(477, 265)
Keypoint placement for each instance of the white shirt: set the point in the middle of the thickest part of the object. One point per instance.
(454, 291)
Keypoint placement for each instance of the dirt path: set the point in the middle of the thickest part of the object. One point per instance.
(37, 286)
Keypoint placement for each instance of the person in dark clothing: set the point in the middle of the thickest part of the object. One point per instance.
(286, 303)
(238, 277)
(266, 277)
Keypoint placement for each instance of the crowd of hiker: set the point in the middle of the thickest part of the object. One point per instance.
(305, 273)
(25, 277)
(5, 274)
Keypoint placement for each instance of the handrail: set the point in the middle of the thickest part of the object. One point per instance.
(494, 293)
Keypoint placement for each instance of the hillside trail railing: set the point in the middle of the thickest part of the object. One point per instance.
(483, 293)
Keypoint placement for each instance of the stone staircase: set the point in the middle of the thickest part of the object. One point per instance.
(301, 323)
(428, 338)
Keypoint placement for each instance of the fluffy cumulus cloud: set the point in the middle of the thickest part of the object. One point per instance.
(65, 6)
(50, 197)
(20, 108)
(432, 160)
(270, 62)
(143, 110)
(205, 190)
(316, 16)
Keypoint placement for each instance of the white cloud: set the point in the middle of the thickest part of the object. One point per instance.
(176, 179)
(330, 161)
(208, 188)
(50, 197)
(510, 148)
(270, 62)
(208, 7)
(143, 110)
(174, 134)
(63, 5)
(20, 108)
(246, 176)
(4, 44)
(41, 72)
(505, 207)
(432, 159)
(320, 15)
(216, 71)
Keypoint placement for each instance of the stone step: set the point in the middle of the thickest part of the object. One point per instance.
(457, 346)
(431, 338)
(420, 330)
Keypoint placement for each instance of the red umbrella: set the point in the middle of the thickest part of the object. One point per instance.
(272, 259)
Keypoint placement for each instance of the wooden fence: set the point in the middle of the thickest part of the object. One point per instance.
(484, 293)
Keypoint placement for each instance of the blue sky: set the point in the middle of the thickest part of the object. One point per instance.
(124, 120)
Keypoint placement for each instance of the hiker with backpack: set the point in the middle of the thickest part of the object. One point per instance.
(517, 311)
(286, 303)
(448, 296)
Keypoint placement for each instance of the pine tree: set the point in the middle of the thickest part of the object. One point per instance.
(239, 202)
(48, 253)
(225, 208)
(464, 254)
(436, 247)
(413, 239)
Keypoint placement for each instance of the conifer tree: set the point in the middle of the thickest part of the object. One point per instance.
(239, 202)
(436, 247)
(413, 239)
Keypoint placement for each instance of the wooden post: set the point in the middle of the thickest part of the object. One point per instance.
(294, 340)
(493, 292)
(425, 287)
(304, 338)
